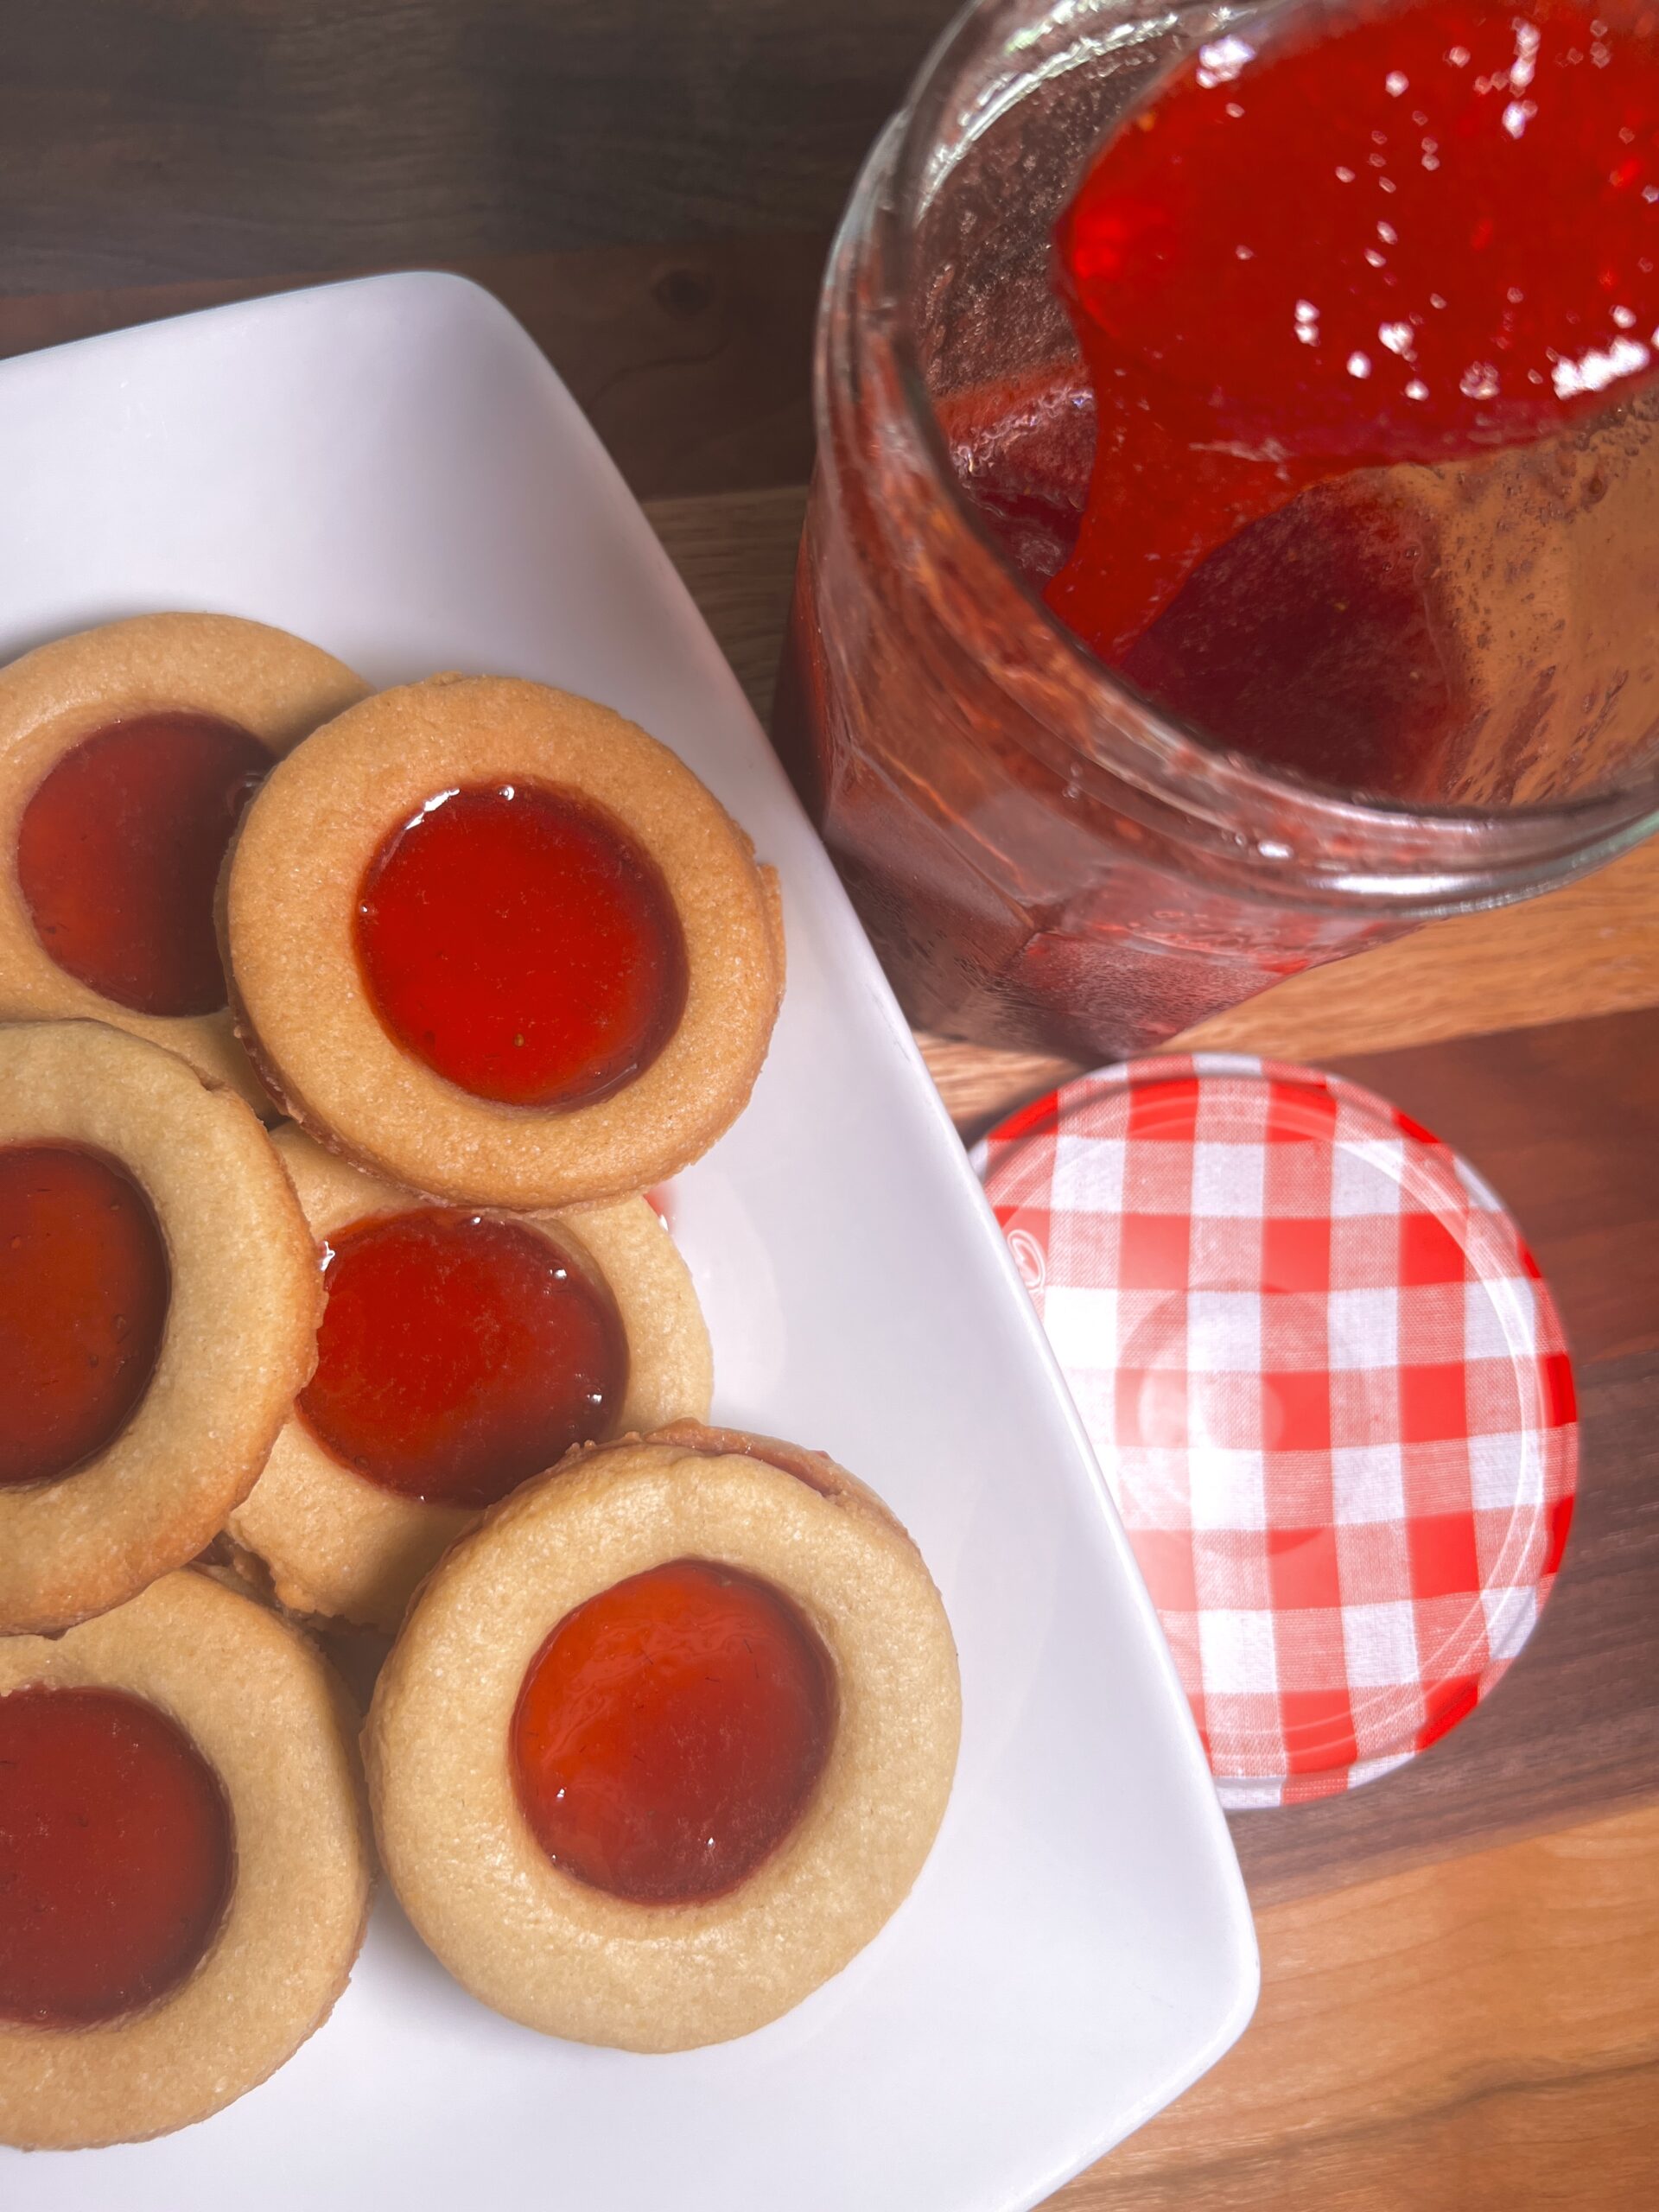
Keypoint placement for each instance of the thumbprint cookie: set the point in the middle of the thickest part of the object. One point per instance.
(126, 754)
(184, 1863)
(159, 1300)
(496, 943)
(460, 1353)
(666, 1741)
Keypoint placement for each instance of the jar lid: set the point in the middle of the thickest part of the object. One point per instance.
(1328, 1390)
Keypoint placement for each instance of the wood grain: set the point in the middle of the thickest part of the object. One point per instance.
(736, 552)
(1565, 1122)
(1590, 948)
(146, 141)
(1477, 2037)
(692, 362)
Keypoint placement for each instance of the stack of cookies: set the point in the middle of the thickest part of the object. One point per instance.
(341, 1039)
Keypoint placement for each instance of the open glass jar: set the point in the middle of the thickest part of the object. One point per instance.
(1043, 857)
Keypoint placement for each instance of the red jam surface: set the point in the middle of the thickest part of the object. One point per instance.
(670, 1733)
(460, 1354)
(520, 942)
(83, 1286)
(115, 1856)
(1347, 240)
(119, 856)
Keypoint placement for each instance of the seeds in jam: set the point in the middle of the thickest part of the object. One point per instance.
(670, 1732)
(460, 1354)
(119, 855)
(115, 1856)
(83, 1289)
(517, 940)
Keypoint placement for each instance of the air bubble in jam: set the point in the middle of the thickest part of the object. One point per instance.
(1267, 421)
(1532, 235)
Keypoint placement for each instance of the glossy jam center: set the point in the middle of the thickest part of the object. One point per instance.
(459, 1354)
(519, 942)
(119, 856)
(116, 1856)
(83, 1286)
(1392, 234)
(670, 1730)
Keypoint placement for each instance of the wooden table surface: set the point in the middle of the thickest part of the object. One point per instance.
(1461, 1998)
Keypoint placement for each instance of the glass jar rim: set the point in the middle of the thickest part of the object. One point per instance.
(1164, 757)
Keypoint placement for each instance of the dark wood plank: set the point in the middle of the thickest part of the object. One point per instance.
(146, 141)
(1565, 1122)
(693, 362)
(736, 554)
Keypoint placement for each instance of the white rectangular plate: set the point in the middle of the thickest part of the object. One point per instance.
(391, 468)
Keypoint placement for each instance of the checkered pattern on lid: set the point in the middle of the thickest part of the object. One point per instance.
(1328, 1390)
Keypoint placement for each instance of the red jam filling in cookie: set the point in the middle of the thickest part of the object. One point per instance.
(83, 1289)
(670, 1730)
(459, 1354)
(119, 855)
(519, 942)
(115, 1856)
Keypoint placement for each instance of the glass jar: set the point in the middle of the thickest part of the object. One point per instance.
(1043, 858)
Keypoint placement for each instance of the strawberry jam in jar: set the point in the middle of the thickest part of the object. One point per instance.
(1236, 527)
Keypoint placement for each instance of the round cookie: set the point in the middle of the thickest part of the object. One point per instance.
(337, 1541)
(271, 687)
(243, 1300)
(373, 812)
(572, 1959)
(273, 1725)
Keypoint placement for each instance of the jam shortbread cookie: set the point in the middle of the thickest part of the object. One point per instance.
(460, 1353)
(159, 1299)
(666, 1741)
(495, 943)
(184, 1863)
(126, 754)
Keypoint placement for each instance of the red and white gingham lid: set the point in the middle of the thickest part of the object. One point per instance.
(1328, 1390)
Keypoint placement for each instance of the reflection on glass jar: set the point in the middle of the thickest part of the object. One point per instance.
(1412, 691)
